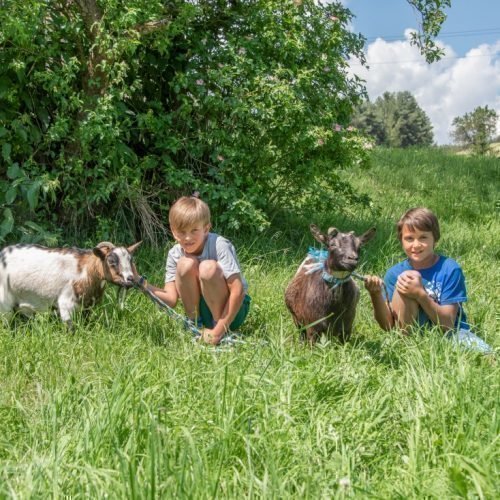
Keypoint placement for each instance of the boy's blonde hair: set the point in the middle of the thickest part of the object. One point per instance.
(419, 218)
(187, 212)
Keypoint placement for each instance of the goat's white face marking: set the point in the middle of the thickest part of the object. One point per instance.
(123, 264)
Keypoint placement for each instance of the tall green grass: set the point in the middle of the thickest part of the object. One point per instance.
(128, 407)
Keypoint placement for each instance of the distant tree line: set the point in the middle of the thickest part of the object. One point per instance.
(394, 120)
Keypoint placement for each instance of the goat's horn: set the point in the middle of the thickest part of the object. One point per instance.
(105, 244)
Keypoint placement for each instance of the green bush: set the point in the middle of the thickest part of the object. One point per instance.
(112, 110)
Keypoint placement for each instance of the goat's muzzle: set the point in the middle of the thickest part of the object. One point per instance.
(347, 264)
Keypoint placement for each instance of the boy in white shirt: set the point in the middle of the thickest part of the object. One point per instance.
(203, 270)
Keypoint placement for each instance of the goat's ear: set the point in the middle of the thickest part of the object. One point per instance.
(332, 232)
(99, 253)
(103, 249)
(317, 234)
(366, 237)
(134, 247)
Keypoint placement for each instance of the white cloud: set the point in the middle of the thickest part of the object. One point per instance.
(446, 89)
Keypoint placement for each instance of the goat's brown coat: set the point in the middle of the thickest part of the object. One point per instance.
(309, 298)
(318, 306)
(89, 291)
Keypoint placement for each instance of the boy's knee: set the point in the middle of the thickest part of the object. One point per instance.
(411, 273)
(209, 270)
(187, 266)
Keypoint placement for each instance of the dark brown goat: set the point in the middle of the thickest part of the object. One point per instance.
(322, 297)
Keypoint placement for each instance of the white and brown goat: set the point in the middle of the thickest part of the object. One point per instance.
(322, 295)
(35, 278)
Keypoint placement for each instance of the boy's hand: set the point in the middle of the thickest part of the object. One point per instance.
(373, 284)
(211, 336)
(409, 284)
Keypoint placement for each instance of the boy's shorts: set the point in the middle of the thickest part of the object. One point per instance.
(208, 320)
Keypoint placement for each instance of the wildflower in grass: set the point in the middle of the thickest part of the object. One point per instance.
(200, 82)
(320, 142)
(344, 482)
(220, 158)
(337, 127)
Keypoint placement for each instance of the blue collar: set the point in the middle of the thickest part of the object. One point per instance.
(333, 281)
(320, 257)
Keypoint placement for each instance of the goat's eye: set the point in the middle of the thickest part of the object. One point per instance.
(112, 260)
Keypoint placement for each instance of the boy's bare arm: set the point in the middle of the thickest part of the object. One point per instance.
(382, 314)
(168, 294)
(234, 302)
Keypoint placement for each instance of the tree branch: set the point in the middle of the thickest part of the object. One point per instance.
(151, 26)
(91, 14)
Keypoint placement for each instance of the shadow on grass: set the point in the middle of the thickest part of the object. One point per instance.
(388, 353)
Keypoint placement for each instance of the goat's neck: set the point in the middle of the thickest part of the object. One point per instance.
(96, 272)
(340, 275)
(336, 273)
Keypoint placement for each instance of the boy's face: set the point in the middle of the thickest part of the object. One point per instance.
(419, 247)
(192, 238)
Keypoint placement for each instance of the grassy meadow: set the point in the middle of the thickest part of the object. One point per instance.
(128, 407)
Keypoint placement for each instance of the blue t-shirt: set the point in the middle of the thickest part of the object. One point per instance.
(444, 282)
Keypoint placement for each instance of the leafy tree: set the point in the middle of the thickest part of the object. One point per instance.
(476, 129)
(367, 119)
(111, 109)
(413, 127)
(395, 120)
(432, 17)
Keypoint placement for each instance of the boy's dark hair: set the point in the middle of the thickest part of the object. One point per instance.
(419, 218)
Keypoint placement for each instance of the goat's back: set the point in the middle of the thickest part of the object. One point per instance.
(35, 274)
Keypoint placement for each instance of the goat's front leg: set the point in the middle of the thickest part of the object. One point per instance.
(311, 336)
(66, 304)
(121, 295)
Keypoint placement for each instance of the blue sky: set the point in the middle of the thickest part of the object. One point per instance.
(467, 77)
(384, 18)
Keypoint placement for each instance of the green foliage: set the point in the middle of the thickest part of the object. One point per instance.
(395, 120)
(432, 14)
(476, 129)
(114, 107)
(111, 110)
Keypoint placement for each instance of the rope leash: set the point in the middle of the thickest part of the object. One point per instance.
(187, 323)
(363, 278)
(228, 340)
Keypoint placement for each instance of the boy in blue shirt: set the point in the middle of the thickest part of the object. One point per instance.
(426, 288)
